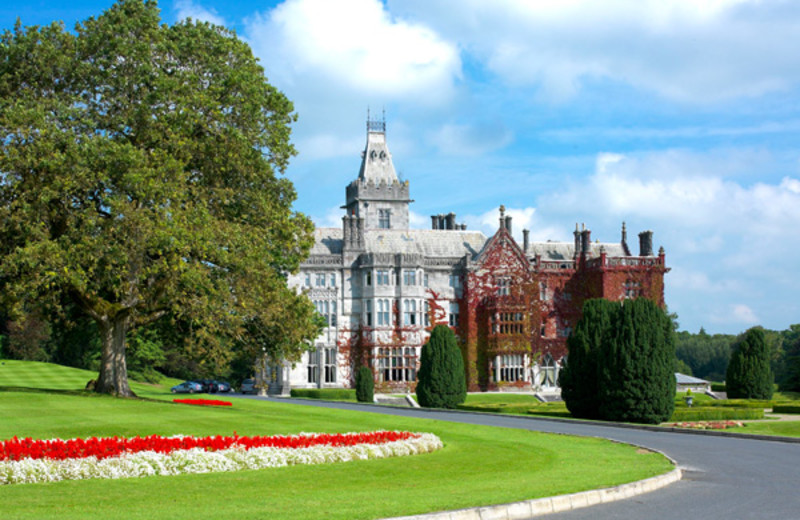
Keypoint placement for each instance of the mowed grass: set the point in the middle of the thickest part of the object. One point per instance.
(478, 465)
(32, 374)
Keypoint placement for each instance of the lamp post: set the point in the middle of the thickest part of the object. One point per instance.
(263, 390)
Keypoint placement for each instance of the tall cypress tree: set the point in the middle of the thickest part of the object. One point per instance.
(749, 375)
(579, 377)
(441, 381)
(637, 381)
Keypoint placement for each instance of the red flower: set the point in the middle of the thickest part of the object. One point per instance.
(102, 448)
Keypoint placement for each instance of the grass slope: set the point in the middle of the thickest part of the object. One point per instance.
(478, 465)
(33, 374)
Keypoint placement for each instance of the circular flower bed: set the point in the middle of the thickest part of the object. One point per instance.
(31, 461)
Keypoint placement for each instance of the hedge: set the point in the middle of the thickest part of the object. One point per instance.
(740, 403)
(786, 408)
(715, 414)
(718, 387)
(329, 394)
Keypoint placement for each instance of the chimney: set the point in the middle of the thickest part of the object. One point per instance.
(577, 235)
(646, 243)
(433, 221)
(451, 221)
(586, 242)
(508, 224)
(525, 240)
(346, 231)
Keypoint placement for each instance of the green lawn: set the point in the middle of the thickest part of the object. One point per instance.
(32, 374)
(478, 465)
(781, 428)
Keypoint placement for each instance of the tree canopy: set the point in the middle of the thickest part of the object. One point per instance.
(140, 176)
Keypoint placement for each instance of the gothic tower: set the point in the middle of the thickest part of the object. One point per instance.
(377, 196)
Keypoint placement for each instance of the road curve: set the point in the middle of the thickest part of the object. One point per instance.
(724, 478)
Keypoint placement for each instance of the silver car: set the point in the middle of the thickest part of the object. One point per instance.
(248, 386)
(187, 387)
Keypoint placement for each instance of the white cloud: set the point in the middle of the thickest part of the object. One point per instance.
(354, 46)
(681, 49)
(323, 146)
(331, 219)
(188, 9)
(521, 218)
(732, 243)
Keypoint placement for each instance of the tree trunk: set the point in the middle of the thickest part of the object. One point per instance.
(113, 378)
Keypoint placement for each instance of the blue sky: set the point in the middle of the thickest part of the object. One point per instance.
(678, 116)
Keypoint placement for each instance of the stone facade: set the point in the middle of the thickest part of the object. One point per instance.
(382, 287)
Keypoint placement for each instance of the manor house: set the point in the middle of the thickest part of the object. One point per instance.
(381, 287)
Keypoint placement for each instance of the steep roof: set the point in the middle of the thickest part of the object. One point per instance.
(376, 160)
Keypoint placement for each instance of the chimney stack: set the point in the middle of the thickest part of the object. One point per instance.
(646, 243)
(586, 242)
(525, 240)
(508, 224)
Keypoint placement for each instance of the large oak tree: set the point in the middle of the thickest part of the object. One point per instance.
(140, 175)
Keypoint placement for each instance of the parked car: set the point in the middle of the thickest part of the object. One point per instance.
(187, 387)
(209, 386)
(248, 386)
(224, 386)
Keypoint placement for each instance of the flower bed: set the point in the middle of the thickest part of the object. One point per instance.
(31, 461)
(203, 402)
(708, 425)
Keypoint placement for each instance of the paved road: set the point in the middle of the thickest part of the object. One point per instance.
(724, 478)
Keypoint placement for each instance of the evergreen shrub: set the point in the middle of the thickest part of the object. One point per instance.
(620, 365)
(365, 386)
(749, 375)
(579, 377)
(441, 379)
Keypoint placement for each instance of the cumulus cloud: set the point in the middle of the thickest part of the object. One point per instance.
(731, 242)
(681, 49)
(188, 9)
(353, 45)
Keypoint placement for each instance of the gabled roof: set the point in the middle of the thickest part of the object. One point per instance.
(502, 240)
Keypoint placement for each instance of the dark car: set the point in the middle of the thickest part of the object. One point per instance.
(209, 386)
(187, 387)
(248, 386)
(224, 386)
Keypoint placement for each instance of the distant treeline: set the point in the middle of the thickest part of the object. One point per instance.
(706, 355)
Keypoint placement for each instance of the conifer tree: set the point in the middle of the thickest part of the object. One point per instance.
(578, 378)
(637, 379)
(749, 375)
(365, 386)
(441, 381)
